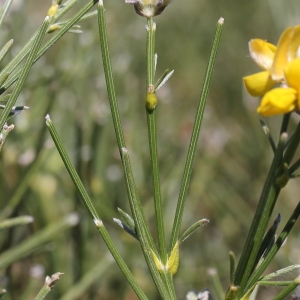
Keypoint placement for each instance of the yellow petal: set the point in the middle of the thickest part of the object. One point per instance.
(281, 57)
(278, 101)
(262, 53)
(292, 74)
(259, 83)
(293, 51)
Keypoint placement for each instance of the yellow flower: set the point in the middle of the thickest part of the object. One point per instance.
(272, 60)
(284, 99)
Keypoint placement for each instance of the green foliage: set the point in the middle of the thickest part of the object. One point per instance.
(231, 159)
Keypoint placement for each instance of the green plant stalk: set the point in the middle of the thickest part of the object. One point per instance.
(109, 78)
(152, 136)
(22, 220)
(25, 71)
(47, 45)
(281, 272)
(292, 147)
(288, 289)
(24, 51)
(150, 52)
(90, 207)
(48, 286)
(141, 229)
(217, 285)
(275, 283)
(285, 123)
(114, 104)
(4, 9)
(5, 49)
(195, 135)
(32, 243)
(260, 221)
(266, 205)
(232, 267)
(275, 248)
(44, 291)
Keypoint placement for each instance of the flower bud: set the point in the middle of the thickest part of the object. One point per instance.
(149, 8)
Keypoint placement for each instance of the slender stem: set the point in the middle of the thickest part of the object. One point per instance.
(109, 78)
(22, 220)
(114, 104)
(282, 237)
(288, 290)
(46, 47)
(141, 228)
(232, 267)
(294, 167)
(195, 135)
(292, 147)
(151, 102)
(4, 9)
(143, 232)
(150, 52)
(151, 121)
(44, 291)
(25, 71)
(90, 207)
(260, 221)
(152, 136)
(285, 123)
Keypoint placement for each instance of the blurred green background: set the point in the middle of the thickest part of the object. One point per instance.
(231, 162)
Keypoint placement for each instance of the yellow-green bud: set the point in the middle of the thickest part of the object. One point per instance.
(52, 11)
(151, 100)
(173, 260)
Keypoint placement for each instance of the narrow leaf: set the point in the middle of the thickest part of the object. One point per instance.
(5, 49)
(192, 228)
(127, 219)
(126, 228)
(163, 79)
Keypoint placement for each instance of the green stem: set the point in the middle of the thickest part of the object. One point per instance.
(152, 136)
(25, 71)
(195, 135)
(44, 291)
(90, 207)
(47, 45)
(114, 104)
(282, 237)
(48, 286)
(143, 232)
(288, 290)
(4, 9)
(260, 221)
(292, 146)
(109, 78)
(150, 52)
(151, 102)
(22, 220)
(142, 229)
